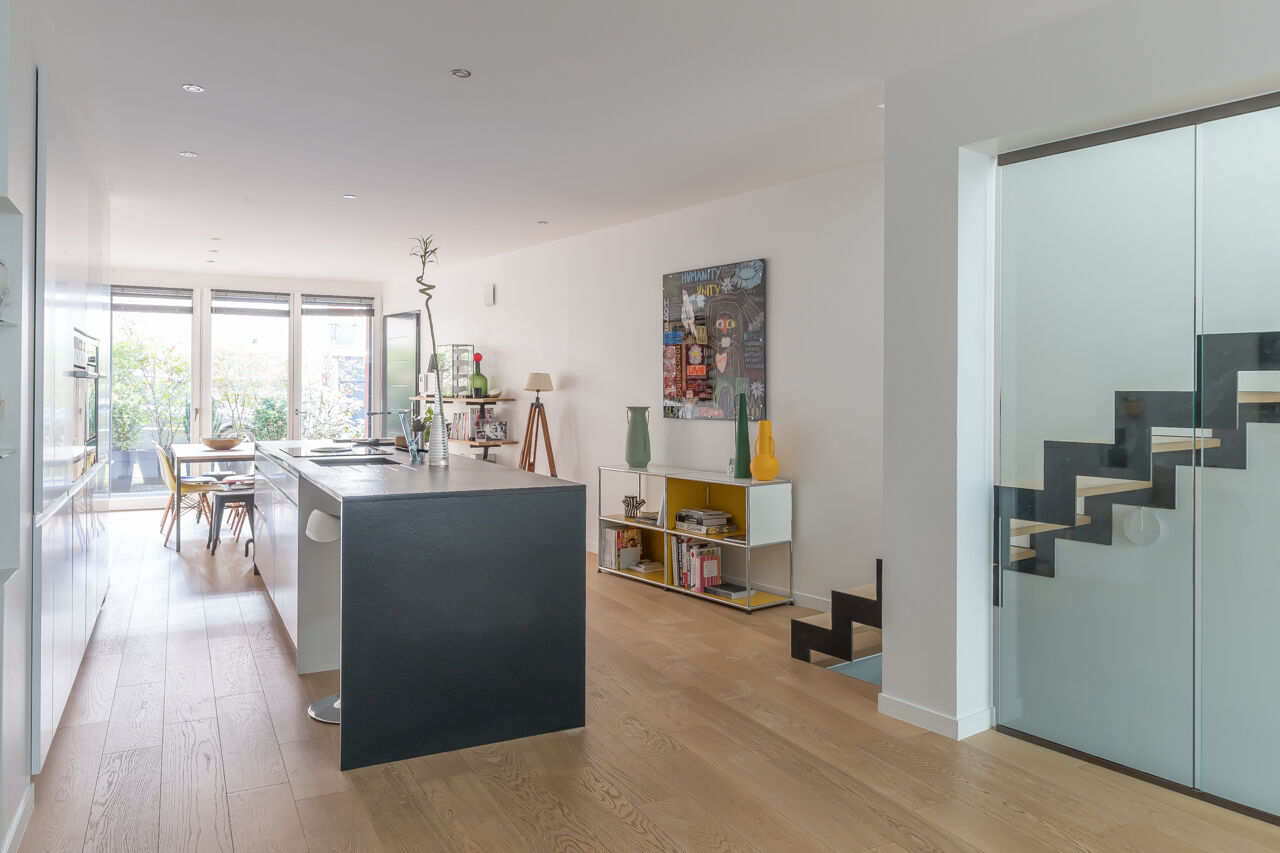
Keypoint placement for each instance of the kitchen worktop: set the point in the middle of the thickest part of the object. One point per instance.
(363, 482)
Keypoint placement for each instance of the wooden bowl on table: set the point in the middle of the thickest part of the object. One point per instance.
(220, 443)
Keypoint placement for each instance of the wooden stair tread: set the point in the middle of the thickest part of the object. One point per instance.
(1259, 397)
(1173, 443)
(1020, 527)
(823, 620)
(867, 590)
(1016, 553)
(1089, 486)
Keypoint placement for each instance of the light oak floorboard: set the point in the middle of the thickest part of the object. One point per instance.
(702, 734)
(265, 819)
(126, 803)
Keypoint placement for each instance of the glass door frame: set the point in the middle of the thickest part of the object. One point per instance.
(201, 350)
(1196, 119)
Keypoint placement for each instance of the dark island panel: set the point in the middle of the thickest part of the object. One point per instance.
(463, 621)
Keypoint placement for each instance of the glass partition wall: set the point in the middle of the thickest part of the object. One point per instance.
(1139, 452)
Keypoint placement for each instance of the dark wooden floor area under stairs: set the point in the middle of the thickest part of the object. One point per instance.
(855, 614)
(1084, 480)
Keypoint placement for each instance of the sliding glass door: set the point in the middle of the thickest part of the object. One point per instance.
(191, 363)
(1139, 451)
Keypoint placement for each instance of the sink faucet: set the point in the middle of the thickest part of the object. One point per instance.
(406, 425)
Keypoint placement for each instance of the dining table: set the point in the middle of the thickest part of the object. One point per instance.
(194, 454)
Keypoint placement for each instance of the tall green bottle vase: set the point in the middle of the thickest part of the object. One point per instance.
(742, 442)
(637, 436)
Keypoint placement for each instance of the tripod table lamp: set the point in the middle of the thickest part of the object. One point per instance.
(537, 382)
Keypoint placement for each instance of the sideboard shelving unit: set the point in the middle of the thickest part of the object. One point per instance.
(762, 511)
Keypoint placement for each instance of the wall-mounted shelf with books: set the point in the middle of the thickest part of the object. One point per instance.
(712, 536)
(493, 443)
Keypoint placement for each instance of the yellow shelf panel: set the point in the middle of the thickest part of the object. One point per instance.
(757, 598)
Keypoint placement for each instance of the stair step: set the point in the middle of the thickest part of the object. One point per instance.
(864, 591)
(1016, 553)
(1259, 397)
(1019, 527)
(823, 620)
(1173, 443)
(1087, 487)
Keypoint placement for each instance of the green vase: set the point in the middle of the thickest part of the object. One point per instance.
(742, 442)
(637, 436)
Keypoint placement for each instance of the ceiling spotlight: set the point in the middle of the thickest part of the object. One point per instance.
(215, 238)
(214, 251)
(350, 196)
(542, 222)
(188, 154)
(460, 73)
(210, 261)
(193, 88)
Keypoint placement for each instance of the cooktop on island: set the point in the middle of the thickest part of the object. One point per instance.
(316, 450)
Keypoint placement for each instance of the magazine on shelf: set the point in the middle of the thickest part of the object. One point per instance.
(728, 590)
(620, 547)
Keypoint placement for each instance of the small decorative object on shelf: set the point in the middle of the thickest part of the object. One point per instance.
(478, 386)
(455, 361)
(742, 443)
(438, 443)
(638, 436)
(631, 506)
(764, 466)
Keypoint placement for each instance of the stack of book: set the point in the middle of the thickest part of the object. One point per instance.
(620, 547)
(697, 564)
(706, 522)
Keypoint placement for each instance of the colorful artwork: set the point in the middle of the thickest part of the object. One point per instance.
(713, 341)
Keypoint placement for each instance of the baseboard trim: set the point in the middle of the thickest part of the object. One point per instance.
(18, 827)
(956, 728)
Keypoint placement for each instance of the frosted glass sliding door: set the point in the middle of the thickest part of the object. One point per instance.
(1240, 537)
(1097, 376)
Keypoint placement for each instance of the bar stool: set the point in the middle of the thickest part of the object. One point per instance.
(325, 528)
(235, 497)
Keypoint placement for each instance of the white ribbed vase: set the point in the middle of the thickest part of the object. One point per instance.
(438, 445)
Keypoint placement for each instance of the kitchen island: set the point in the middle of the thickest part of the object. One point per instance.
(453, 602)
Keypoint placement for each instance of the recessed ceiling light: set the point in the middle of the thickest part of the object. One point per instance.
(215, 238)
(193, 88)
(542, 222)
(188, 154)
(350, 196)
(214, 251)
(210, 261)
(460, 73)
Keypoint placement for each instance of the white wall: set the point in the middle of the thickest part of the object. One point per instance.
(588, 310)
(1120, 63)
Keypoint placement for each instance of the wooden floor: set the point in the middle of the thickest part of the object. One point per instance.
(186, 731)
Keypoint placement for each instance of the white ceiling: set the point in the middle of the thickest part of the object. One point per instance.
(585, 113)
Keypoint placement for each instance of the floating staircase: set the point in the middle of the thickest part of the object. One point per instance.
(853, 611)
(1084, 480)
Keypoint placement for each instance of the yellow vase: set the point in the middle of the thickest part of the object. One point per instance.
(764, 465)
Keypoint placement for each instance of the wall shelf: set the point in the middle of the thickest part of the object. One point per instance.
(470, 401)
(469, 443)
(762, 511)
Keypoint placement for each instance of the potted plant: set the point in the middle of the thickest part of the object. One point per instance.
(126, 428)
(437, 441)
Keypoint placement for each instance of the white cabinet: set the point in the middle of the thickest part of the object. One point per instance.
(285, 583)
(68, 584)
(275, 540)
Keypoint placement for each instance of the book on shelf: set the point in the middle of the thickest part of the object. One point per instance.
(727, 590)
(620, 547)
(704, 516)
(706, 529)
(697, 564)
(647, 517)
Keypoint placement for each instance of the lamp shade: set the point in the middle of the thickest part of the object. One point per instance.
(539, 382)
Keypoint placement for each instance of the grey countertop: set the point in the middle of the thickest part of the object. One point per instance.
(410, 480)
